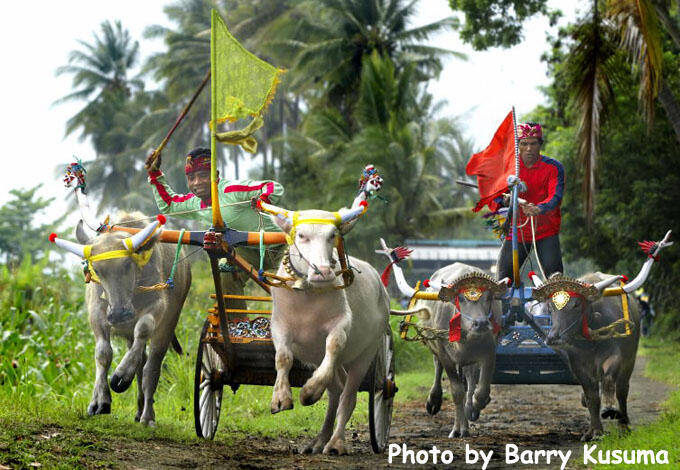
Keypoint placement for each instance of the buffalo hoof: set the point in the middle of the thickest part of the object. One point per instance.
(310, 394)
(462, 433)
(314, 447)
(592, 435)
(433, 405)
(471, 413)
(99, 409)
(336, 447)
(119, 385)
(610, 413)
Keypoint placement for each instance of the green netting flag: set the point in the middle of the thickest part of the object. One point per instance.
(242, 85)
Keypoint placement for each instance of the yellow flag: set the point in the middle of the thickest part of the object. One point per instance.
(243, 85)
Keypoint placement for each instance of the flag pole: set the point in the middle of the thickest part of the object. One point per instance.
(217, 221)
(515, 195)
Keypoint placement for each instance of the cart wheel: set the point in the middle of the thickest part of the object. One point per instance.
(381, 394)
(207, 388)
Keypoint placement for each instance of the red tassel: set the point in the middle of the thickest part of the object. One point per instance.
(496, 327)
(624, 279)
(426, 283)
(385, 276)
(532, 274)
(584, 327)
(52, 237)
(161, 218)
(363, 204)
(454, 328)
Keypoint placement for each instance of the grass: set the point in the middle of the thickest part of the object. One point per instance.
(664, 434)
(47, 374)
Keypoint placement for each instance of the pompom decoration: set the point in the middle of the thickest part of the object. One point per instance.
(426, 283)
(624, 278)
(52, 237)
(532, 274)
(363, 204)
(161, 218)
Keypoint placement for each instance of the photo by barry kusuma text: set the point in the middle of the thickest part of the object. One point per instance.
(513, 456)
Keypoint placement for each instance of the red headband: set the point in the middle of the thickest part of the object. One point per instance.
(197, 164)
(525, 131)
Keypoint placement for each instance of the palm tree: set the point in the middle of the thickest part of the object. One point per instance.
(114, 103)
(335, 36)
(100, 73)
(631, 27)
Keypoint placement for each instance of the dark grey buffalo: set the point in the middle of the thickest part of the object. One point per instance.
(471, 298)
(117, 306)
(588, 326)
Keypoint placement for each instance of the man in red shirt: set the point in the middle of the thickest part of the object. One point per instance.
(544, 179)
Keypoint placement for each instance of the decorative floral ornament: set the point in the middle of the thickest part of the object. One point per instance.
(560, 299)
(75, 175)
(473, 294)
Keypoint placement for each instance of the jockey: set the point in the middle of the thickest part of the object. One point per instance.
(234, 200)
(544, 179)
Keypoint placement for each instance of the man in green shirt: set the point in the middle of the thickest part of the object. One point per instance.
(234, 200)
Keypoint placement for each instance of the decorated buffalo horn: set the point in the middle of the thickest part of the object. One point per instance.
(85, 210)
(281, 213)
(140, 237)
(75, 248)
(347, 215)
(606, 283)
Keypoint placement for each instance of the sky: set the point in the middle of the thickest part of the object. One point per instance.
(36, 40)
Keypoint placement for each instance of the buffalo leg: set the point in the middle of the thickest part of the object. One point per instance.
(152, 372)
(434, 399)
(591, 391)
(335, 343)
(320, 441)
(101, 395)
(460, 422)
(140, 388)
(125, 372)
(348, 400)
(282, 396)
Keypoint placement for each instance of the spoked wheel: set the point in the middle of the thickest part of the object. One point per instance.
(207, 388)
(381, 394)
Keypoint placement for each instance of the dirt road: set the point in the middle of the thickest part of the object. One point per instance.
(532, 417)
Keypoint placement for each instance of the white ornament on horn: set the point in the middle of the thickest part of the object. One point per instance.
(640, 279)
(606, 283)
(403, 286)
(347, 215)
(138, 238)
(75, 248)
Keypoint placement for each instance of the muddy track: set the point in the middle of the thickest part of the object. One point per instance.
(532, 417)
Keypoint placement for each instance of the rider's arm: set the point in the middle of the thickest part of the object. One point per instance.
(555, 187)
(244, 190)
(168, 201)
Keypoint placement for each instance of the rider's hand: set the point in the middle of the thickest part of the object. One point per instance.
(530, 209)
(152, 163)
(253, 203)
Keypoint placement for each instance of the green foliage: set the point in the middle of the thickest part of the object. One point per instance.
(20, 233)
(498, 23)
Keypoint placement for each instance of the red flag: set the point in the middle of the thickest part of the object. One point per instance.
(494, 164)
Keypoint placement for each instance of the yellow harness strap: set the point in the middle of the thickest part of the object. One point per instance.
(290, 238)
(624, 304)
(140, 259)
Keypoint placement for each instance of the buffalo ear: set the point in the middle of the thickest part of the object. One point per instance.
(81, 235)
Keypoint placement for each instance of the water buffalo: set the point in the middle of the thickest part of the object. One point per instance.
(121, 264)
(337, 330)
(470, 309)
(600, 352)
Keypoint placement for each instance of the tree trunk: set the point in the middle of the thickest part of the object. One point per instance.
(671, 106)
(662, 10)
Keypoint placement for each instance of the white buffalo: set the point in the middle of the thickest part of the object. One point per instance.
(336, 329)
